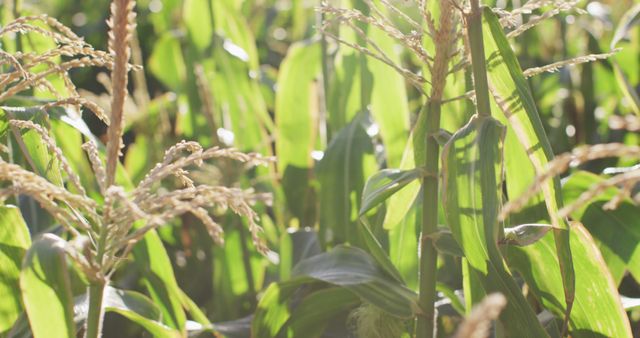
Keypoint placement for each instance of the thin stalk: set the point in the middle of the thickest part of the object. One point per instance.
(428, 253)
(93, 327)
(478, 65)
(93, 324)
(443, 39)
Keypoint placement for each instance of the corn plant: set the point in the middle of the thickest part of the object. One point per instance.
(445, 168)
(464, 173)
(97, 232)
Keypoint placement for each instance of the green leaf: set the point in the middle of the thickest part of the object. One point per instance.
(273, 309)
(317, 310)
(46, 288)
(401, 202)
(628, 20)
(139, 309)
(472, 181)
(341, 173)
(354, 269)
(166, 62)
(14, 243)
(153, 261)
(133, 306)
(389, 106)
(385, 183)
(296, 111)
(512, 94)
(627, 88)
(616, 232)
(296, 119)
(597, 311)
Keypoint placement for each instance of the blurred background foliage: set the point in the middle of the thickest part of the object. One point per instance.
(256, 75)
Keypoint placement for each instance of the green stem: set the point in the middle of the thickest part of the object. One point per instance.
(428, 252)
(478, 65)
(95, 314)
(93, 326)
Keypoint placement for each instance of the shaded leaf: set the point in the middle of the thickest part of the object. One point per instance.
(341, 173)
(132, 305)
(355, 270)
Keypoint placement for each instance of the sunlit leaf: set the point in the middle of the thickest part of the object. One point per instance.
(472, 163)
(616, 232)
(597, 311)
(151, 258)
(14, 243)
(46, 289)
(512, 94)
(385, 183)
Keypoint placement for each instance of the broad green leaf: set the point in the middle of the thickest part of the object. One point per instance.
(385, 183)
(296, 106)
(403, 242)
(374, 248)
(297, 119)
(153, 262)
(511, 92)
(133, 306)
(355, 270)
(166, 62)
(273, 309)
(414, 152)
(14, 243)
(317, 310)
(616, 232)
(341, 173)
(389, 99)
(597, 311)
(296, 246)
(46, 288)
(472, 186)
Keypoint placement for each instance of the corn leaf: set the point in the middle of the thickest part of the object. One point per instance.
(152, 259)
(616, 232)
(512, 94)
(273, 309)
(472, 181)
(46, 289)
(355, 270)
(341, 172)
(385, 183)
(14, 243)
(316, 311)
(131, 305)
(597, 311)
(296, 119)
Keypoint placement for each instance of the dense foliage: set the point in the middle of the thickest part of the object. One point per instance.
(364, 168)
